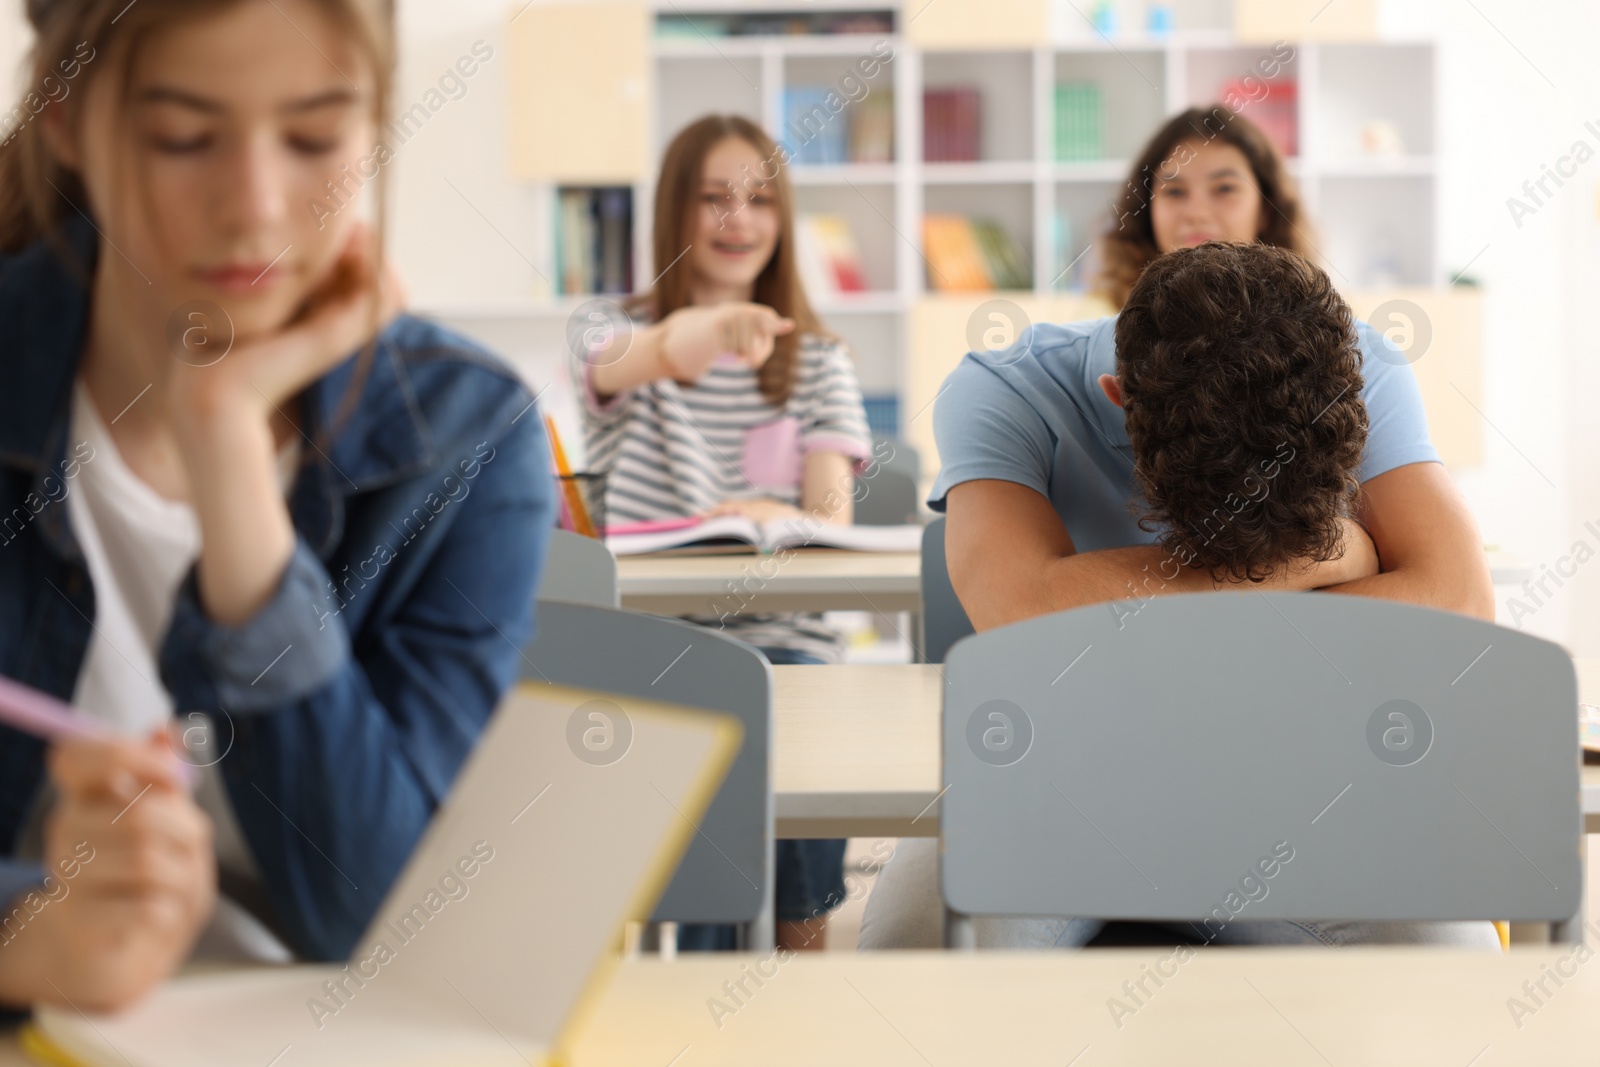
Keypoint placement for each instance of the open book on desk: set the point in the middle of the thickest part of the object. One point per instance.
(491, 945)
(735, 534)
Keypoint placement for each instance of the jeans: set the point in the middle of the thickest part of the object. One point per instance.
(809, 874)
(907, 911)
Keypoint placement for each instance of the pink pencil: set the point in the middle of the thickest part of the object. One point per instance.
(42, 715)
(652, 526)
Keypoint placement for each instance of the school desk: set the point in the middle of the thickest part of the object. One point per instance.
(1367, 1007)
(1371, 1007)
(814, 580)
(856, 750)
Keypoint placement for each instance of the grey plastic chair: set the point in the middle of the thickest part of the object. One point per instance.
(1137, 762)
(944, 620)
(889, 499)
(891, 495)
(902, 456)
(726, 874)
(579, 570)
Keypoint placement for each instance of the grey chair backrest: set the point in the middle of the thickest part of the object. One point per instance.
(899, 455)
(887, 498)
(724, 876)
(579, 570)
(944, 620)
(892, 491)
(1383, 761)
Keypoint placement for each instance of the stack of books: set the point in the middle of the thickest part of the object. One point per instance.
(972, 255)
(826, 253)
(859, 132)
(950, 124)
(1273, 106)
(1079, 125)
(697, 27)
(594, 241)
(872, 128)
(883, 413)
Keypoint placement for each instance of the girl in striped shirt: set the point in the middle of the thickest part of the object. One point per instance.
(722, 394)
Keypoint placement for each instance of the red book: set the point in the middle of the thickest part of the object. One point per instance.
(1274, 108)
(965, 124)
(950, 130)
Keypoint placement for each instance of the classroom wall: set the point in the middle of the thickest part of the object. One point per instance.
(1502, 115)
(464, 234)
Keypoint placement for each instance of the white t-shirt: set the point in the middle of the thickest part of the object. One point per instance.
(139, 546)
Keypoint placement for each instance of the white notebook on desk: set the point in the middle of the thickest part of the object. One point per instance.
(493, 940)
(735, 534)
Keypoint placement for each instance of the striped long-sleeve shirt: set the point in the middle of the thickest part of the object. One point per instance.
(671, 449)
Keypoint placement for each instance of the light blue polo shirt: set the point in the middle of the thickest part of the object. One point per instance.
(1035, 414)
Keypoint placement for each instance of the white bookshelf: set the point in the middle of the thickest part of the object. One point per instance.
(1374, 219)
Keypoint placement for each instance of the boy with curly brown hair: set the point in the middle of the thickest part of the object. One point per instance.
(1232, 428)
(1239, 378)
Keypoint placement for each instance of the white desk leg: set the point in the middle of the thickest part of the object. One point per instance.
(959, 933)
(760, 934)
(1571, 932)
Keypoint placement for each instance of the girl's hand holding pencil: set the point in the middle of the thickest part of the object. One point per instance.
(131, 873)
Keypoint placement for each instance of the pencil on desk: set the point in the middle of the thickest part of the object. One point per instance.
(581, 523)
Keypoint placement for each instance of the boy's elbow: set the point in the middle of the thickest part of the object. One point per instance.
(1478, 600)
(1473, 596)
(983, 599)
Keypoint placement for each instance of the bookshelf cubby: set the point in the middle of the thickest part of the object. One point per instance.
(1363, 113)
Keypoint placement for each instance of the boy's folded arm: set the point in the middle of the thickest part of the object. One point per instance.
(1010, 558)
(1428, 544)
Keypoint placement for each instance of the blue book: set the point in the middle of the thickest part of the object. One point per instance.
(813, 134)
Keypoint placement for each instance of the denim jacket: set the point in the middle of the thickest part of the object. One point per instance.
(393, 632)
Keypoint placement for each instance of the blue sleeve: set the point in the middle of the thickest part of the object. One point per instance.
(16, 879)
(336, 775)
(986, 429)
(207, 665)
(1397, 424)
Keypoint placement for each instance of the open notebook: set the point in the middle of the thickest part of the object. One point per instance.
(485, 968)
(733, 534)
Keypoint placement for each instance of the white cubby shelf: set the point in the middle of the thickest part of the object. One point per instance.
(1374, 218)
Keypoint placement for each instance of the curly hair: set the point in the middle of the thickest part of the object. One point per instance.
(1129, 244)
(1241, 384)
